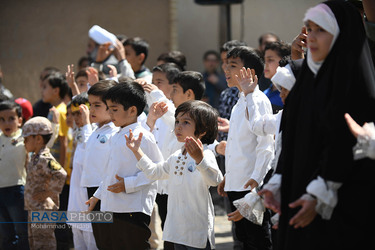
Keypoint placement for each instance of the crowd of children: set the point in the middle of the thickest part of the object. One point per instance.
(278, 143)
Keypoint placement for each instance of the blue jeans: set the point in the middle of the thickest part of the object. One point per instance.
(13, 235)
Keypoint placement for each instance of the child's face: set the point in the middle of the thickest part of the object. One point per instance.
(271, 59)
(98, 110)
(48, 93)
(82, 83)
(283, 94)
(77, 116)
(69, 118)
(233, 68)
(134, 60)
(9, 121)
(318, 41)
(30, 143)
(119, 116)
(161, 81)
(178, 96)
(184, 126)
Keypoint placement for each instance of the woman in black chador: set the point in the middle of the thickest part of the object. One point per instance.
(325, 194)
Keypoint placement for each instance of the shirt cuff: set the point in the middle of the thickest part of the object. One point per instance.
(326, 195)
(251, 207)
(365, 146)
(204, 164)
(212, 147)
(143, 163)
(129, 183)
(98, 192)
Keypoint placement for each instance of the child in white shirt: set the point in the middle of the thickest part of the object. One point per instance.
(125, 190)
(190, 172)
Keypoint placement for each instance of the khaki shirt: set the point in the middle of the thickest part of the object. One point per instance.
(44, 182)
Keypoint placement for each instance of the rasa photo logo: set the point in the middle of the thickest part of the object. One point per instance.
(71, 217)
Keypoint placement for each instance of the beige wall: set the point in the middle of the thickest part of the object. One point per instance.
(198, 25)
(39, 33)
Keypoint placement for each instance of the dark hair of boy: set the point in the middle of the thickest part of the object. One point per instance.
(9, 105)
(231, 44)
(57, 80)
(211, 52)
(171, 70)
(100, 88)
(204, 116)
(48, 71)
(191, 80)
(176, 57)
(127, 94)
(260, 39)
(82, 98)
(80, 73)
(249, 58)
(282, 49)
(139, 45)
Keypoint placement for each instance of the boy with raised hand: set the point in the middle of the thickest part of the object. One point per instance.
(97, 147)
(44, 182)
(247, 156)
(125, 190)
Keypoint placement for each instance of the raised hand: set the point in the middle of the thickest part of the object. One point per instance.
(194, 148)
(113, 71)
(247, 80)
(104, 51)
(92, 76)
(132, 143)
(299, 42)
(85, 114)
(119, 51)
(71, 80)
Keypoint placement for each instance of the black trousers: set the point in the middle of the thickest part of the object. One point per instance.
(254, 237)
(128, 230)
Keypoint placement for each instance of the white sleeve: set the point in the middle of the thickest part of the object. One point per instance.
(126, 69)
(209, 169)
(98, 192)
(260, 124)
(251, 207)
(154, 171)
(326, 195)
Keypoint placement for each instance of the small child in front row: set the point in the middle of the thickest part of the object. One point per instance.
(125, 190)
(44, 181)
(190, 172)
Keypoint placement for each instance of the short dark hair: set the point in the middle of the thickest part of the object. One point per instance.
(100, 88)
(174, 56)
(211, 52)
(231, 44)
(139, 45)
(48, 71)
(171, 70)
(191, 80)
(127, 94)
(8, 105)
(204, 116)
(260, 39)
(82, 72)
(249, 58)
(57, 80)
(282, 49)
(82, 98)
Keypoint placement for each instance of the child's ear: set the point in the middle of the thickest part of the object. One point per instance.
(133, 110)
(201, 135)
(39, 139)
(141, 58)
(56, 91)
(20, 119)
(190, 94)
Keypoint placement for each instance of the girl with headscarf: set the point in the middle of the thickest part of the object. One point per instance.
(325, 194)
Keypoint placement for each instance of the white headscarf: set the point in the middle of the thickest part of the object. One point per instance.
(323, 16)
(284, 77)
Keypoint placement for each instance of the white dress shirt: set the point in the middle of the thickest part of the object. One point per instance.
(190, 217)
(140, 191)
(97, 151)
(247, 156)
(77, 194)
